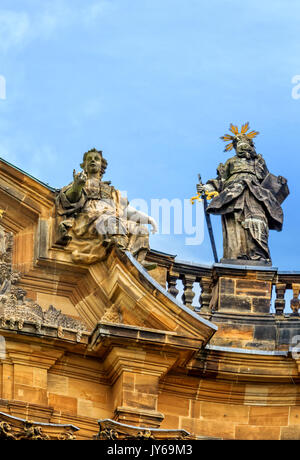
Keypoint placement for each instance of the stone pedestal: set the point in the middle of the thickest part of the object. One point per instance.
(243, 289)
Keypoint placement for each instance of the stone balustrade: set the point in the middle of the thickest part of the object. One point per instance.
(194, 284)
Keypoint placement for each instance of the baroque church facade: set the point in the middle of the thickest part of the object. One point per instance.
(105, 349)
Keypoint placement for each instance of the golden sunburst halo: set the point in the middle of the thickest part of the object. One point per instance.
(235, 131)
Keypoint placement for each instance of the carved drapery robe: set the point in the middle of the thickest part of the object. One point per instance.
(248, 209)
(97, 217)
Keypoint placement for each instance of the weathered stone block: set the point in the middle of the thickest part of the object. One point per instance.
(295, 416)
(65, 404)
(139, 400)
(169, 404)
(34, 395)
(234, 332)
(146, 384)
(253, 287)
(195, 409)
(211, 428)
(269, 416)
(57, 384)
(264, 332)
(235, 303)
(170, 421)
(257, 433)
(261, 305)
(225, 412)
(290, 433)
(227, 285)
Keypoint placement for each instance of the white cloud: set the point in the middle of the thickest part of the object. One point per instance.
(17, 29)
(14, 29)
(93, 12)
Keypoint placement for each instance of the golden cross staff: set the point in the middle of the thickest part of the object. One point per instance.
(204, 196)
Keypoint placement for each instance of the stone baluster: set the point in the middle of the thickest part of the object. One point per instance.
(188, 293)
(172, 279)
(280, 301)
(295, 302)
(206, 293)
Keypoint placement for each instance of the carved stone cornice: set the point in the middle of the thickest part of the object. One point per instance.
(18, 429)
(117, 345)
(245, 364)
(112, 430)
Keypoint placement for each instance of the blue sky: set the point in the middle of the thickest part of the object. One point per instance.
(154, 84)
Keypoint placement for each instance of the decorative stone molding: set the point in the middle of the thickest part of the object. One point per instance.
(112, 430)
(16, 309)
(17, 429)
(12, 314)
(112, 315)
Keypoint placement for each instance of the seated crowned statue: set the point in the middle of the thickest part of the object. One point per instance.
(96, 217)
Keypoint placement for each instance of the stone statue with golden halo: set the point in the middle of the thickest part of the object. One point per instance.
(249, 200)
(97, 217)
